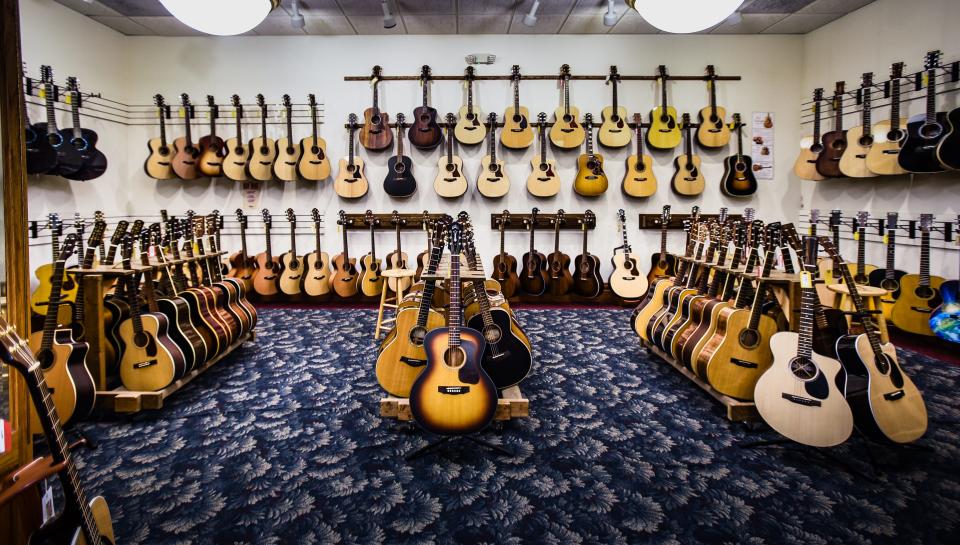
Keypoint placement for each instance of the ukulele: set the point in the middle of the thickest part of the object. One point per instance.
(945, 319)
(318, 274)
(450, 181)
(919, 293)
(46, 274)
(424, 132)
(639, 179)
(313, 164)
(469, 129)
(534, 275)
(853, 162)
(712, 131)
(344, 278)
(84, 141)
(889, 277)
(504, 264)
(493, 182)
(268, 268)
(69, 160)
(805, 167)
(238, 153)
(351, 182)
(453, 395)
(263, 150)
(159, 163)
(369, 282)
(41, 157)
(397, 260)
(587, 281)
(517, 132)
(626, 281)
(925, 131)
(560, 278)
(543, 180)
(212, 148)
(614, 132)
(834, 142)
(591, 181)
(242, 266)
(81, 522)
(663, 264)
(888, 136)
(664, 133)
(687, 179)
(738, 178)
(290, 263)
(861, 270)
(798, 396)
(566, 132)
(288, 152)
(186, 156)
(376, 134)
(399, 181)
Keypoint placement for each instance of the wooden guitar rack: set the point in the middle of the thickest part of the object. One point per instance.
(384, 222)
(546, 77)
(520, 222)
(678, 221)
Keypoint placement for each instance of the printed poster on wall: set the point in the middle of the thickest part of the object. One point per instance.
(762, 145)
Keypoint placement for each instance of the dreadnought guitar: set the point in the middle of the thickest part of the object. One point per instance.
(314, 164)
(469, 127)
(268, 267)
(351, 183)
(738, 178)
(318, 274)
(517, 132)
(888, 135)
(212, 147)
(638, 179)
(662, 263)
(713, 132)
(587, 281)
(860, 270)
(653, 301)
(291, 264)
(626, 280)
(834, 142)
(344, 277)
(504, 264)
(454, 395)
(84, 141)
(397, 259)
(41, 157)
(591, 180)
(543, 180)
(69, 159)
(263, 150)
(925, 131)
(805, 167)
(46, 273)
(159, 164)
(289, 152)
(450, 181)
(945, 319)
(948, 150)
(376, 134)
(242, 265)
(687, 179)
(664, 132)
(534, 276)
(566, 132)
(798, 396)
(492, 182)
(889, 277)
(853, 162)
(400, 182)
(238, 152)
(919, 293)
(425, 133)
(82, 521)
(186, 156)
(370, 283)
(560, 279)
(886, 405)
(614, 132)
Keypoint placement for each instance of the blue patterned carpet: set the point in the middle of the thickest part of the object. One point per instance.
(282, 444)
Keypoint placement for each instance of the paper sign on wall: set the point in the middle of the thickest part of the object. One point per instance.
(251, 194)
(762, 145)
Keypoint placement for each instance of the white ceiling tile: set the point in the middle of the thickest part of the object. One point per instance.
(774, 6)
(584, 24)
(425, 6)
(167, 26)
(371, 24)
(548, 7)
(430, 24)
(123, 25)
(799, 23)
(88, 8)
(632, 23)
(277, 25)
(750, 23)
(595, 7)
(834, 6)
(363, 7)
(546, 24)
(318, 7)
(484, 24)
(479, 7)
(327, 25)
(138, 8)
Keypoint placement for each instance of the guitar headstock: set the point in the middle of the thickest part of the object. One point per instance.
(14, 351)
(214, 109)
(241, 218)
(286, 103)
(401, 119)
(96, 235)
(455, 239)
(504, 219)
(589, 219)
(893, 218)
(515, 73)
(711, 73)
(262, 103)
(159, 102)
(343, 219)
(46, 74)
(369, 218)
(741, 234)
(835, 218)
(395, 219)
(560, 218)
(665, 216)
(79, 224)
(292, 218)
(588, 121)
(542, 119)
(424, 73)
(756, 233)
(686, 121)
(862, 218)
(267, 218)
(695, 214)
(533, 216)
(468, 74)
(815, 216)
(926, 222)
(376, 73)
(118, 232)
(896, 70)
(932, 60)
(818, 94)
(792, 238)
(866, 80)
(838, 90)
(565, 72)
(614, 74)
(185, 102)
(637, 120)
(737, 123)
(749, 214)
(315, 215)
(724, 211)
(451, 119)
(72, 87)
(662, 72)
(312, 101)
(622, 216)
(55, 224)
(67, 247)
(352, 122)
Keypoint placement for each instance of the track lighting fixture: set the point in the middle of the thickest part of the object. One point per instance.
(610, 17)
(388, 19)
(296, 18)
(531, 18)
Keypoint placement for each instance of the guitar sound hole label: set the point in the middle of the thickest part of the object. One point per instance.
(453, 390)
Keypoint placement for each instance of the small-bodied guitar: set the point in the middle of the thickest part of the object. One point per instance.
(919, 293)
(504, 264)
(591, 180)
(84, 141)
(69, 159)
(738, 178)
(560, 279)
(318, 274)
(450, 181)
(805, 167)
(566, 132)
(543, 180)
(263, 150)
(688, 179)
(351, 183)
(186, 156)
(344, 278)
(713, 131)
(369, 282)
(534, 275)
(424, 132)
(376, 134)
(238, 152)
(664, 132)
(291, 264)
(399, 181)
(517, 132)
(492, 182)
(587, 281)
(662, 263)
(925, 131)
(469, 129)
(889, 135)
(159, 163)
(639, 179)
(614, 132)
(397, 259)
(212, 147)
(853, 162)
(289, 152)
(314, 164)
(626, 280)
(889, 277)
(268, 267)
(834, 142)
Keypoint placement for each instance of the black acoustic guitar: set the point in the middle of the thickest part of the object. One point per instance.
(425, 133)
(587, 281)
(738, 177)
(69, 160)
(948, 152)
(925, 131)
(400, 181)
(94, 162)
(534, 275)
(40, 155)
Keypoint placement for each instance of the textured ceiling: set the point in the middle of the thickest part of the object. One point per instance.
(328, 17)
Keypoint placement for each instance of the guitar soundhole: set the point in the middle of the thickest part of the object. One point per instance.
(544, 167)
(451, 167)
(749, 338)
(492, 334)
(56, 140)
(45, 358)
(493, 168)
(803, 368)
(838, 144)
(865, 141)
(351, 168)
(592, 165)
(615, 118)
(79, 144)
(141, 339)
(567, 118)
(290, 150)
(741, 167)
(375, 120)
(237, 150)
(264, 150)
(471, 117)
(399, 168)
(315, 150)
(931, 130)
(417, 334)
(924, 292)
(640, 166)
(890, 284)
(517, 118)
(454, 357)
(816, 148)
(895, 135)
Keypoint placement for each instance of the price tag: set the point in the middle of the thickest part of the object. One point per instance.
(806, 281)
(856, 236)
(233, 114)
(68, 99)
(42, 93)
(181, 112)
(709, 85)
(925, 78)
(48, 510)
(886, 238)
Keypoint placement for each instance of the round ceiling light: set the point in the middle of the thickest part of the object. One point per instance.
(684, 16)
(221, 17)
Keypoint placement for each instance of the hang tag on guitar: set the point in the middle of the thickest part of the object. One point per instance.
(47, 507)
(806, 281)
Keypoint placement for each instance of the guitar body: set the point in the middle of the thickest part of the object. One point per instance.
(661, 322)
(212, 153)
(811, 412)
(878, 278)
(639, 180)
(208, 324)
(235, 163)
(567, 132)
(263, 153)
(626, 280)
(69, 160)
(913, 308)
(469, 129)
(239, 301)
(650, 307)
(805, 167)
(292, 275)
(738, 177)
(734, 365)
(400, 182)
(688, 179)
(828, 162)
(560, 279)
(587, 281)
(183, 332)
(614, 133)
(505, 272)
(242, 269)
(314, 165)
(703, 333)
(680, 324)
(186, 160)
(266, 277)
(883, 157)
(945, 320)
(403, 355)
(65, 371)
(425, 133)
(506, 358)
(395, 262)
(517, 132)
(376, 134)
(591, 180)
(370, 283)
(238, 318)
(150, 361)
(94, 162)
(919, 151)
(492, 182)
(886, 406)
(533, 275)
(41, 295)
(664, 132)
(853, 162)
(159, 164)
(116, 310)
(662, 268)
(317, 281)
(41, 157)
(713, 132)
(351, 183)
(288, 158)
(344, 278)
(66, 527)
(453, 395)
(450, 181)
(948, 151)
(543, 180)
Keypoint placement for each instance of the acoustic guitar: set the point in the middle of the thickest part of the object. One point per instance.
(77, 326)
(860, 270)
(351, 183)
(397, 259)
(805, 167)
(46, 273)
(399, 181)
(291, 264)
(888, 277)
(664, 132)
(242, 265)
(543, 180)
(159, 164)
(268, 267)
(450, 181)
(653, 301)
(684, 286)
(853, 162)
(713, 131)
(614, 132)
(948, 150)
(534, 276)
(344, 277)
(678, 313)
(493, 182)
(318, 273)
(663, 263)
(919, 293)
(888, 136)
(41, 157)
(945, 319)
(738, 177)
(423, 258)
(687, 179)
(186, 157)
(828, 269)
(504, 264)
(314, 164)
(591, 180)
(289, 152)
(229, 291)
(424, 132)
(560, 278)
(219, 301)
(566, 132)
(263, 150)
(834, 142)
(925, 131)
(626, 280)
(369, 282)
(84, 141)
(454, 395)
(587, 281)
(213, 150)
(639, 179)
(376, 134)
(517, 132)
(69, 159)
(238, 152)
(469, 127)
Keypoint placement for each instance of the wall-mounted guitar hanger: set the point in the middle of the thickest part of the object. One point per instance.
(384, 222)
(679, 221)
(545, 220)
(546, 77)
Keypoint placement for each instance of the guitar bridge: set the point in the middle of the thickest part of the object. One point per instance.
(413, 362)
(144, 364)
(893, 396)
(800, 400)
(453, 390)
(743, 363)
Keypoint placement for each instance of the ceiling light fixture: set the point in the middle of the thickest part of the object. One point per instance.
(388, 19)
(684, 16)
(221, 17)
(531, 18)
(296, 18)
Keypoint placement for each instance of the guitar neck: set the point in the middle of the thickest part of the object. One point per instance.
(866, 318)
(454, 314)
(816, 122)
(925, 258)
(269, 249)
(470, 97)
(613, 82)
(51, 115)
(895, 104)
(866, 112)
(891, 254)
(931, 96)
(293, 239)
(861, 250)
(346, 252)
(350, 147)
(50, 320)
(75, 114)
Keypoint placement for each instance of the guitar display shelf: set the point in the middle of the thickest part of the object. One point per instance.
(511, 404)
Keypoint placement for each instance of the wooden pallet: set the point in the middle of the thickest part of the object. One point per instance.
(121, 400)
(512, 404)
(737, 410)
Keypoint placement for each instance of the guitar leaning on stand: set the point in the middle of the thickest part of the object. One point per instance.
(238, 152)
(263, 150)
(492, 182)
(639, 180)
(469, 128)
(543, 180)
(626, 280)
(534, 276)
(738, 177)
(587, 281)
(291, 264)
(289, 152)
(450, 181)
(504, 264)
(713, 131)
(591, 181)
(344, 277)
(687, 179)
(351, 183)
(314, 164)
(919, 293)
(45, 273)
(560, 279)
(317, 281)
(370, 283)
(662, 263)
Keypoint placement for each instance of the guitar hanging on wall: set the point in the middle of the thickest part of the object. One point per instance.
(925, 131)
(469, 129)
(713, 131)
(664, 132)
(351, 182)
(186, 158)
(263, 150)
(614, 132)
(591, 180)
(238, 152)
(84, 141)
(69, 160)
(834, 142)
(543, 180)
(400, 182)
(738, 177)
(517, 132)
(853, 163)
(805, 167)
(566, 132)
(158, 164)
(288, 151)
(450, 181)
(212, 148)
(492, 182)
(688, 179)
(424, 133)
(376, 134)
(314, 164)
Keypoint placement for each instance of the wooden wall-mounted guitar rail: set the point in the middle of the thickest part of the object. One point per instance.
(545, 77)
(677, 221)
(534, 124)
(384, 222)
(910, 228)
(519, 222)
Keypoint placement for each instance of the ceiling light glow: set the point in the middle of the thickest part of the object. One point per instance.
(221, 17)
(684, 16)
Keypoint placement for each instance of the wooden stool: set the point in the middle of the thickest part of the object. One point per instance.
(872, 299)
(390, 301)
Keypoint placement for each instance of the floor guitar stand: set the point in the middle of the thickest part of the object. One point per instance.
(434, 445)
